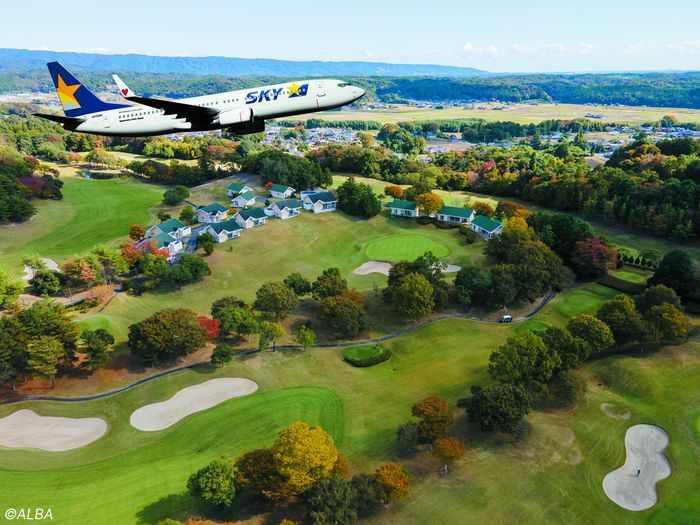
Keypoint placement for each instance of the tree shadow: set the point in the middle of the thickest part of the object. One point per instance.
(174, 506)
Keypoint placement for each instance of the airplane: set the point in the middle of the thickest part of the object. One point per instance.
(242, 112)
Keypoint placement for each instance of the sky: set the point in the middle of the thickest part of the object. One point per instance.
(499, 36)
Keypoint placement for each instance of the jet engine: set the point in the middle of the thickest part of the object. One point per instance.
(235, 116)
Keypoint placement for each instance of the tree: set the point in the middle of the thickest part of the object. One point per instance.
(187, 215)
(190, 268)
(472, 284)
(110, 262)
(268, 333)
(435, 417)
(235, 317)
(303, 455)
(343, 315)
(407, 437)
(392, 482)
(257, 472)
(137, 232)
(45, 283)
(49, 318)
(328, 284)
(498, 408)
(656, 296)
(572, 351)
(9, 290)
(428, 203)
(276, 300)
(211, 326)
(331, 501)
(677, 272)
(592, 258)
(216, 483)
(593, 331)
(414, 296)
(483, 208)
(166, 335)
(393, 191)
(306, 337)
(625, 322)
(13, 349)
(503, 286)
(206, 243)
(667, 322)
(96, 344)
(175, 195)
(358, 199)
(222, 354)
(367, 498)
(524, 360)
(448, 449)
(44, 354)
(82, 271)
(298, 283)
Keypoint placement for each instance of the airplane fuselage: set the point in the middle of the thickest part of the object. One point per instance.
(257, 104)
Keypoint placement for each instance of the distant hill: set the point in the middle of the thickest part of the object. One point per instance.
(25, 59)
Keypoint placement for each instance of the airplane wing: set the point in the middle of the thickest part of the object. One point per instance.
(181, 110)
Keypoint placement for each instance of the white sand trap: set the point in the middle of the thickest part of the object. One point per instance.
(633, 485)
(384, 267)
(27, 429)
(159, 416)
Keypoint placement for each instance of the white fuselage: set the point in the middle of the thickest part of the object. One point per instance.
(265, 102)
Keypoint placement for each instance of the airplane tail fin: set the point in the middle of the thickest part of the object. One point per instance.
(76, 99)
(124, 90)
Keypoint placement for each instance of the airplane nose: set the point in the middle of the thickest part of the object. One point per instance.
(358, 92)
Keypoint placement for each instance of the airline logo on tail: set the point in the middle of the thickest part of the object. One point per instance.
(66, 94)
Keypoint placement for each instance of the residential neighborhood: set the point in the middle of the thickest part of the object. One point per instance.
(481, 224)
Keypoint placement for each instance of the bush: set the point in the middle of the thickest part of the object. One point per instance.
(621, 284)
(424, 219)
(366, 355)
(470, 235)
(568, 388)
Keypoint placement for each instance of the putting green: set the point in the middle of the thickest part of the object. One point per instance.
(404, 246)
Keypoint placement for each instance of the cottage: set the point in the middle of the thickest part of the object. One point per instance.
(250, 218)
(320, 201)
(400, 208)
(454, 214)
(286, 208)
(243, 200)
(211, 213)
(173, 227)
(486, 227)
(280, 191)
(223, 231)
(163, 241)
(237, 188)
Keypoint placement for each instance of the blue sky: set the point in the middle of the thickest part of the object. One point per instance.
(505, 35)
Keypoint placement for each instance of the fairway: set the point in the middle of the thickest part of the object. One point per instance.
(520, 113)
(561, 462)
(405, 246)
(92, 212)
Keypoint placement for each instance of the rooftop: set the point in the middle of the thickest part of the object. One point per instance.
(255, 213)
(229, 225)
(288, 203)
(170, 225)
(214, 207)
(454, 211)
(280, 188)
(323, 196)
(402, 205)
(485, 223)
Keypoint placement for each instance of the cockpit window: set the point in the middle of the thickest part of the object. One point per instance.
(343, 84)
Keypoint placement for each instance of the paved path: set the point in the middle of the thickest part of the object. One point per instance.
(247, 352)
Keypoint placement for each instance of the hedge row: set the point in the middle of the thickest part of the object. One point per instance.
(367, 355)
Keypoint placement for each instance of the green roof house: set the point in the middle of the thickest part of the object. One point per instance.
(236, 188)
(486, 227)
(244, 199)
(172, 227)
(214, 212)
(401, 208)
(455, 215)
(280, 191)
(251, 217)
(286, 208)
(223, 231)
(162, 241)
(320, 201)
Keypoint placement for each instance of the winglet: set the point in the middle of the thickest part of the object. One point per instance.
(124, 90)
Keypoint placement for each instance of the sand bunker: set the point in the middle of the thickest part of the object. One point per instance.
(610, 410)
(633, 486)
(27, 429)
(159, 416)
(384, 267)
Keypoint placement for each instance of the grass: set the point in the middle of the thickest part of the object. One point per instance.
(92, 212)
(366, 355)
(553, 475)
(404, 246)
(633, 276)
(520, 113)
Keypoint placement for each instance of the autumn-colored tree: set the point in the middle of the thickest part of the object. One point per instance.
(353, 295)
(257, 473)
(593, 258)
(667, 322)
(303, 455)
(508, 209)
(212, 327)
(392, 482)
(483, 208)
(428, 203)
(137, 232)
(435, 417)
(394, 191)
(447, 450)
(341, 469)
(132, 255)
